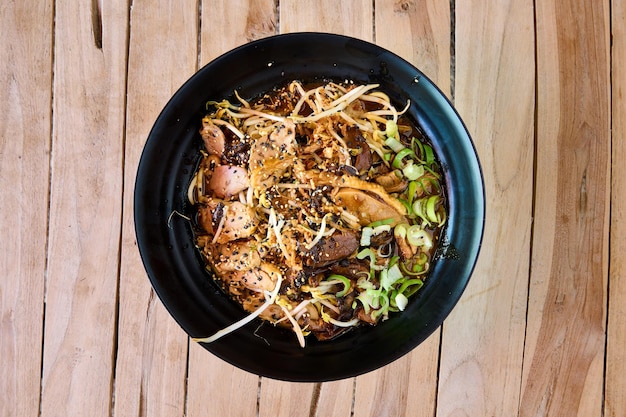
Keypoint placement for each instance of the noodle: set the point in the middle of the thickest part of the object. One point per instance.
(329, 188)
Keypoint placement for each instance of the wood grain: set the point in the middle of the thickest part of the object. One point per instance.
(564, 352)
(405, 387)
(25, 133)
(540, 329)
(335, 398)
(226, 25)
(85, 210)
(483, 338)
(152, 349)
(288, 399)
(327, 16)
(615, 382)
(217, 388)
(240, 22)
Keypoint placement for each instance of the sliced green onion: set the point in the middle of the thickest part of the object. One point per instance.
(412, 171)
(401, 301)
(384, 281)
(436, 175)
(345, 281)
(416, 282)
(390, 276)
(369, 299)
(381, 229)
(366, 236)
(407, 205)
(384, 306)
(394, 144)
(391, 128)
(412, 191)
(426, 208)
(434, 182)
(429, 155)
(416, 236)
(381, 222)
(397, 160)
(400, 230)
(369, 253)
(418, 269)
(430, 207)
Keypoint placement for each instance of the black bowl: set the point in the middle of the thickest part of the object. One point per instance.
(175, 267)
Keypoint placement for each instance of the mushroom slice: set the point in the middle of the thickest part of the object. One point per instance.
(366, 207)
(331, 249)
(392, 182)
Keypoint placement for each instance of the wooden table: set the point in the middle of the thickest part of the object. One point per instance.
(541, 329)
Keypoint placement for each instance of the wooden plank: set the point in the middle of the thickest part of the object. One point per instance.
(153, 349)
(85, 207)
(241, 21)
(418, 31)
(615, 385)
(328, 16)
(335, 399)
(564, 352)
(25, 126)
(278, 398)
(483, 338)
(405, 387)
(218, 389)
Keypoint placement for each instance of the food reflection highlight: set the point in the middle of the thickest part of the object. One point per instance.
(319, 207)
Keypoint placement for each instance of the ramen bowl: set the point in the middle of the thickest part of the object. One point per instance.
(165, 235)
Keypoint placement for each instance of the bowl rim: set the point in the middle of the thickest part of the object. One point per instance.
(223, 349)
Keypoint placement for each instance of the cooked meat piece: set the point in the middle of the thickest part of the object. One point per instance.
(236, 149)
(213, 137)
(353, 138)
(270, 157)
(366, 318)
(381, 239)
(228, 180)
(352, 269)
(237, 220)
(239, 255)
(210, 215)
(273, 313)
(331, 249)
(270, 172)
(258, 279)
(279, 143)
